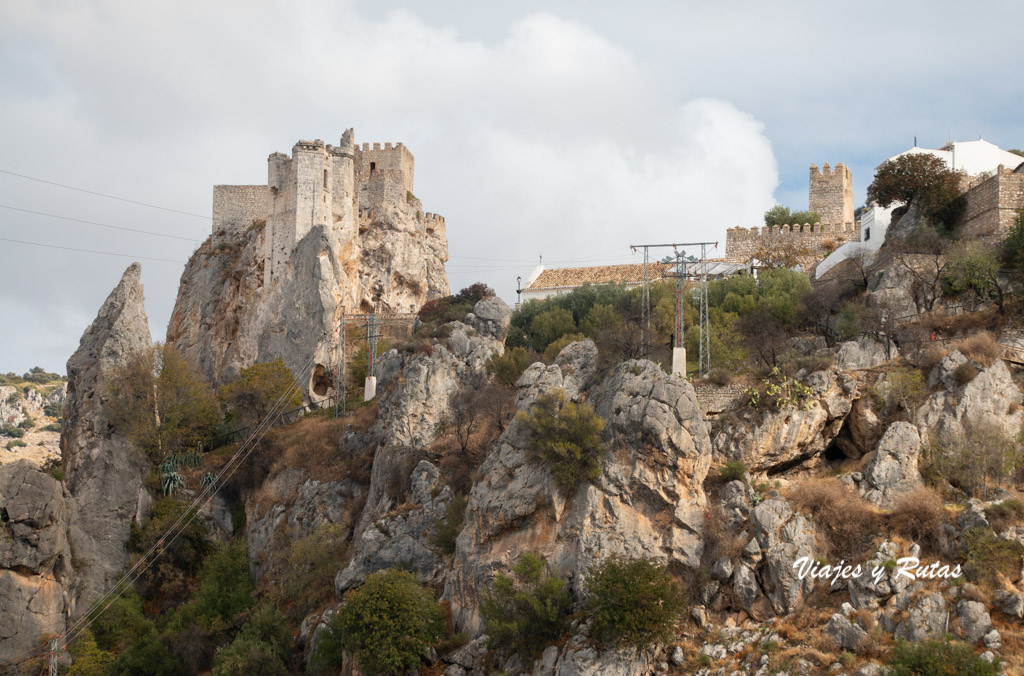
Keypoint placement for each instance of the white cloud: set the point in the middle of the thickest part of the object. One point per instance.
(553, 139)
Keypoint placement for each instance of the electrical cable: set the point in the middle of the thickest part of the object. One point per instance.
(92, 251)
(102, 225)
(100, 194)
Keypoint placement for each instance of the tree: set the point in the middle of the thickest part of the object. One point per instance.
(780, 215)
(923, 177)
(922, 255)
(507, 367)
(89, 660)
(766, 337)
(163, 403)
(465, 417)
(973, 268)
(524, 614)
(260, 389)
(566, 437)
(387, 623)
(549, 326)
(633, 602)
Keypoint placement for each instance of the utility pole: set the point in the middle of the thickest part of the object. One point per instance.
(340, 374)
(678, 351)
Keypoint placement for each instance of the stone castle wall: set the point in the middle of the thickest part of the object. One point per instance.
(830, 193)
(993, 205)
(717, 398)
(236, 208)
(742, 243)
(383, 175)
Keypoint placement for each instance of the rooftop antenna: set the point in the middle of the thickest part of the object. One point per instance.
(915, 140)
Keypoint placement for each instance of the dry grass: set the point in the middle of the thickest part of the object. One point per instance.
(918, 516)
(847, 522)
(981, 347)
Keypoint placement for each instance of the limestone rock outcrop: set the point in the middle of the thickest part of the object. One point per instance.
(35, 559)
(769, 440)
(989, 398)
(225, 319)
(864, 354)
(648, 500)
(893, 471)
(104, 473)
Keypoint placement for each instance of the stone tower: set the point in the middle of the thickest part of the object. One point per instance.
(830, 194)
(315, 186)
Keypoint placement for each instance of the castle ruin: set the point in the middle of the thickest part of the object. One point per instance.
(830, 195)
(339, 187)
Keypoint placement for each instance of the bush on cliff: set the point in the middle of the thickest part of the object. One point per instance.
(261, 389)
(925, 178)
(507, 368)
(938, 658)
(163, 403)
(566, 437)
(387, 623)
(633, 602)
(525, 614)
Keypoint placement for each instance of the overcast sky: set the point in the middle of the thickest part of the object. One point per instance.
(563, 129)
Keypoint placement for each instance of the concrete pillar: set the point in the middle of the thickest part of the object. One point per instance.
(370, 390)
(679, 361)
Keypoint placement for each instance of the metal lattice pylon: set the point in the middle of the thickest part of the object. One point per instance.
(704, 359)
(341, 372)
(645, 305)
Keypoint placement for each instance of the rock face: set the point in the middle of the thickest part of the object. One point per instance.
(783, 537)
(893, 471)
(990, 398)
(226, 317)
(773, 439)
(863, 354)
(402, 539)
(35, 559)
(104, 473)
(648, 500)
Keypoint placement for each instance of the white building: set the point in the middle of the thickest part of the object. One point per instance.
(974, 158)
(971, 157)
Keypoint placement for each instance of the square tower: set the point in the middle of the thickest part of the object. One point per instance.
(383, 175)
(830, 194)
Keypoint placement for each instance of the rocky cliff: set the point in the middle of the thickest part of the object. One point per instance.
(104, 472)
(225, 319)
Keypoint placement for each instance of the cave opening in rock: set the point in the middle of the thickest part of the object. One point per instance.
(321, 382)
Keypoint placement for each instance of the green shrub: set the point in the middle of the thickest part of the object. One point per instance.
(988, 557)
(53, 410)
(566, 437)
(12, 431)
(549, 326)
(938, 658)
(261, 646)
(245, 657)
(635, 602)
(258, 390)
(507, 367)
(973, 461)
(447, 530)
(600, 318)
(28, 423)
(965, 373)
(524, 615)
(309, 570)
(387, 623)
(89, 659)
(224, 589)
(52, 427)
(733, 471)
(1004, 514)
(15, 443)
(148, 656)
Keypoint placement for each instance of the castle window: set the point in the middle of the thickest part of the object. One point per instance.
(373, 166)
(867, 234)
(325, 179)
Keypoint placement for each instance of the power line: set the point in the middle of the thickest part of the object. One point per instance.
(100, 194)
(93, 251)
(102, 225)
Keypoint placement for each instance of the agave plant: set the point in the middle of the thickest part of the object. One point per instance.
(208, 480)
(172, 481)
(170, 465)
(193, 458)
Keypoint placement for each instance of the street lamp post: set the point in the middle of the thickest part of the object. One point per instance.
(519, 292)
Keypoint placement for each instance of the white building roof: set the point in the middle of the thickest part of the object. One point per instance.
(971, 157)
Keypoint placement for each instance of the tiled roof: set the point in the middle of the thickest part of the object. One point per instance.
(632, 273)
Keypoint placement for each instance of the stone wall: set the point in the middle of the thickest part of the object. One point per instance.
(830, 193)
(384, 175)
(717, 398)
(742, 243)
(236, 208)
(993, 205)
